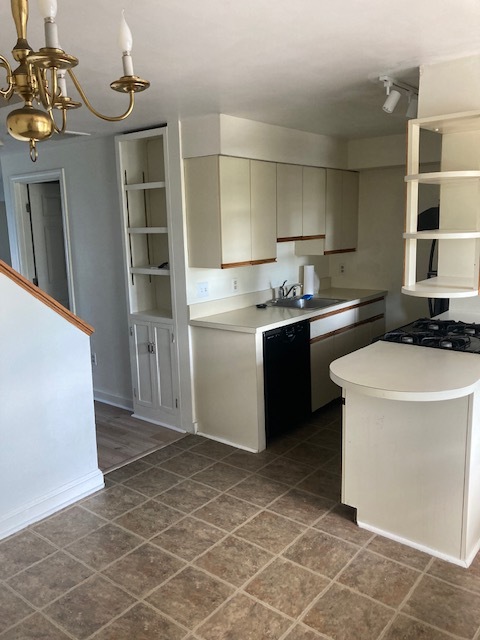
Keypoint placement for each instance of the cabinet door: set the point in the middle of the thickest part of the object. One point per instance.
(313, 207)
(263, 204)
(143, 377)
(162, 357)
(289, 201)
(322, 353)
(236, 230)
(333, 230)
(349, 209)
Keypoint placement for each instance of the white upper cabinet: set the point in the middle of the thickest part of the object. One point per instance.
(300, 202)
(230, 206)
(341, 211)
(458, 232)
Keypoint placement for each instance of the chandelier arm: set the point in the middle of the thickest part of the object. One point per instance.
(41, 76)
(93, 110)
(8, 92)
(64, 121)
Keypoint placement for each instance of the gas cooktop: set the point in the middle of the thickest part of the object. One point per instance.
(440, 334)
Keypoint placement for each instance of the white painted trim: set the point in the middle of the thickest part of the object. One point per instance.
(18, 251)
(160, 424)
(420, 547)
(225, 441)
(50, 503)
(115, 401)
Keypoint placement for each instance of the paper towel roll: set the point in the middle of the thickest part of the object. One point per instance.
(308, 280)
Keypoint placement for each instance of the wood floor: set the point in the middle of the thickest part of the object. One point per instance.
(122, 439)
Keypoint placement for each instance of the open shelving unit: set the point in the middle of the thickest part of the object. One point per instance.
(458, 235)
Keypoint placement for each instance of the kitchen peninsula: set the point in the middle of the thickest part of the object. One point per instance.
(411, 445)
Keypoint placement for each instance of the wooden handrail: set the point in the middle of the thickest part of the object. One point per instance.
(45, 298)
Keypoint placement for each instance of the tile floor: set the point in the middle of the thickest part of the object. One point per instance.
(201, 541)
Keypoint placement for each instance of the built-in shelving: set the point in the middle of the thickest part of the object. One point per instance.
(147, 230)
(150, 270)
(458, 181)
(142, 186)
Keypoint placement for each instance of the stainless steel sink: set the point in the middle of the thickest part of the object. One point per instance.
(302, 303)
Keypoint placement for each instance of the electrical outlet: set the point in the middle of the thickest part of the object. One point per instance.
(202, 289)
(234, 284)
(341, 268)
(94, 359)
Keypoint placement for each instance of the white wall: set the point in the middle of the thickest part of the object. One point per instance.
(95, 231)
(48, 455)
(4, 244)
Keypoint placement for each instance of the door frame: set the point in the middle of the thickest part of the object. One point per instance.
(21, 256)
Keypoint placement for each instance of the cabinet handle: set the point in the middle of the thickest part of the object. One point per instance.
(151, 347)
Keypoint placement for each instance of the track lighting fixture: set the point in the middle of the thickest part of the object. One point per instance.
(394, 90)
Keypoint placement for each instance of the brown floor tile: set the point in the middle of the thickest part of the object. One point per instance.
(270, 531)
(301, 506)
(49, 579)
(226, 512)
(286, 587)
(187, 463)
(320, 552)
(399, 552)
(466, 578)
(143, 569)
(187, 496)
(323, 483)
(344, 615)
(404, 628)
(12, 608)
(280, 445)
(165, 453)
(188, 538)
(149, 518)
(303, 431)
(379, 578)
(20, 551)
(141, 623)
(242, 618)
(300, 632)
(190, 596)
(213, 449)
(34, 628)
(233, 560)
(68, 525)
(221, 476)
(287, 471)
(250, 461)
(128, 471)
(340, 522)
(103, 546)
(111, 503)
(189, 441)
(329, 438)
(334, 465)
(89, 606)
(310, 454)
(444, 606)
(259, 490)
(153, 481)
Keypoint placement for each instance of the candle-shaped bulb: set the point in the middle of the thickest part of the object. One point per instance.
(125, 36)
(48, 8)
(62, 83)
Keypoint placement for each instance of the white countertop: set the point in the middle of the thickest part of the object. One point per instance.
(408, 372)
(253, 320)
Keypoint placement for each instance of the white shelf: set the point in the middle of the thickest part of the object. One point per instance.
(141, 186)
(146, 230)
(149, 270)
(442, 234)
(442, 177)
(442, 287)
(165, 315)
(451, 123)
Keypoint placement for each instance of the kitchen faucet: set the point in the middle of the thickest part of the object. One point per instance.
(293, 288)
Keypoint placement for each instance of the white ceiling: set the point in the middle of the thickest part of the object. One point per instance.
(306, 64)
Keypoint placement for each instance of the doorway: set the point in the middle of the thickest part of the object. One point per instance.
(42, 245)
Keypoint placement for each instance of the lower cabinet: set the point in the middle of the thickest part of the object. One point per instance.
(153, 362)
(333, 337)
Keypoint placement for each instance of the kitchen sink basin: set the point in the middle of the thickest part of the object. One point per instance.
(303, 303)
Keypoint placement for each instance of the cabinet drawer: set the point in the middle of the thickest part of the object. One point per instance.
(327, 323)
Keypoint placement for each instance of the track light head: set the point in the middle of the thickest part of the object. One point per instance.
(391, 101)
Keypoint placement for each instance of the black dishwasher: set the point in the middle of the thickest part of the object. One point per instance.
(286, 362)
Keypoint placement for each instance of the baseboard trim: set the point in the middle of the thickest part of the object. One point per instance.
(115, 401)
(226, 441)
(50, 503)
(157, 422)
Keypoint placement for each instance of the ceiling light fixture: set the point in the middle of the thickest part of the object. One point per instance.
(394, 90)
(40, 77)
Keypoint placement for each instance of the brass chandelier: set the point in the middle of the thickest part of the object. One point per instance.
(40, 78)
